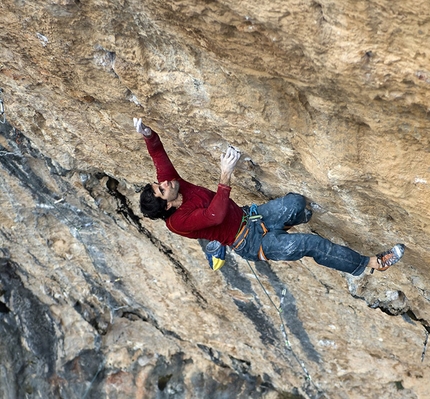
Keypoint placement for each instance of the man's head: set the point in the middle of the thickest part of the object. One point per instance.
(158, 200)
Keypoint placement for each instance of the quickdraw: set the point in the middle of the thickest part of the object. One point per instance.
(2, 114)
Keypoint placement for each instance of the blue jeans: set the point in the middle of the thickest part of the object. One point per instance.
(277, 244)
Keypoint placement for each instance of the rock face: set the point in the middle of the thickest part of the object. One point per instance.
(329, 99)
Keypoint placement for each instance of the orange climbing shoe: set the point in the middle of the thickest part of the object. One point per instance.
(389, 258)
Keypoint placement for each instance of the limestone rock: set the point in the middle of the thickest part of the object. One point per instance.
(329, 99)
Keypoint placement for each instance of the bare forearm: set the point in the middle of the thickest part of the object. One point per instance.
(225, 178)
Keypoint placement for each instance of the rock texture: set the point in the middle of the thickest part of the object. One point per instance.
(326, 98)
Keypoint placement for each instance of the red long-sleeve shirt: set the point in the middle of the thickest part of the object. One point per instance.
(203, 213)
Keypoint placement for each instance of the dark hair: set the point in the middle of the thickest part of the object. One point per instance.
(154, 207)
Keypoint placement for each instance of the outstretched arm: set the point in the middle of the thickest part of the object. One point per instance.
(164, 167)
(228, 163)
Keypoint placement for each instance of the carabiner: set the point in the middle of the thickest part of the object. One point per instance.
(2, 115)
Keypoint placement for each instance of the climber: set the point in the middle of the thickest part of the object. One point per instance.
(254, 233)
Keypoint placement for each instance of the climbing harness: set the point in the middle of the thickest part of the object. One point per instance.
(250, 216)
(2, 114)
(284, 330)
(215, 251)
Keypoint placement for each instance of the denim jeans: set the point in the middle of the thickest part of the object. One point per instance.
(277, 244)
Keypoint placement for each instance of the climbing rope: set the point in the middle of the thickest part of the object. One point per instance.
(284, 330)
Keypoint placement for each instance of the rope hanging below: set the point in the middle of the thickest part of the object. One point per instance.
(284, 330)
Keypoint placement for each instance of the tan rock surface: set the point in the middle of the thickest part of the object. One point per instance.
(329, 99)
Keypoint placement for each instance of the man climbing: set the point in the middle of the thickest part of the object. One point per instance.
(254, 233)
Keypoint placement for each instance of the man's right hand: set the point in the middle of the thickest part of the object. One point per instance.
(228, 163)
(141, 128)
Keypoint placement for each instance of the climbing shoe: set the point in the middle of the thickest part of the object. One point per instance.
(389, 258)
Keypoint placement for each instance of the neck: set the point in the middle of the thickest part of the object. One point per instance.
(178, 201)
